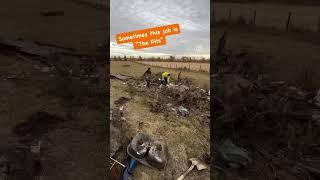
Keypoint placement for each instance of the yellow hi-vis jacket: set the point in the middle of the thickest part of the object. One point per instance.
(166, 75)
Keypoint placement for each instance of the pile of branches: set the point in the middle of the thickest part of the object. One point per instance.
(274, 120)
(181, 93)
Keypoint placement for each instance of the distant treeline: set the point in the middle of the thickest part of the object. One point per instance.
(291, 2)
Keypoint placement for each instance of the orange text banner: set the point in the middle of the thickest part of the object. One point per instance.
(148, 37)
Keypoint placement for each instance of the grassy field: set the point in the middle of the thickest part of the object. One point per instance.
(180, 65)
(270, 15)
(201, 79)
(185, 137)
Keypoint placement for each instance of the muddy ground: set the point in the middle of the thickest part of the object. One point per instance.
(153, 111)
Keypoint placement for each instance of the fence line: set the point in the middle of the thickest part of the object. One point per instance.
(252, 20)
(176, 66)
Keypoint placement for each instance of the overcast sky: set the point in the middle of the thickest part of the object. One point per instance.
(192, 16)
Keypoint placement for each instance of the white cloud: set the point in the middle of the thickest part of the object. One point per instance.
(193, 17)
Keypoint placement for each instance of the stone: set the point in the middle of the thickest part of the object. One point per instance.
(183, 111)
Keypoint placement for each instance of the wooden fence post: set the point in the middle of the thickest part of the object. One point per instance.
(319, 24)
(221, 50)
(189, 67)
(254, 17)
(288, 21)
(200, 68)
(229, 16)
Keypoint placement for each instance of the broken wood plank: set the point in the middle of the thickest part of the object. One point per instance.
(120, 77)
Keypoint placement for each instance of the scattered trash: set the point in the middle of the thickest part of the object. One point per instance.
(233, 155)
(183, 111)
(194, 163)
